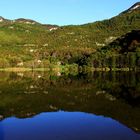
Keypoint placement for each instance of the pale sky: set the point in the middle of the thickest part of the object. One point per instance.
(63, 12)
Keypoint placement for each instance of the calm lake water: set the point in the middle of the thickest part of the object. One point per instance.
(93, 106)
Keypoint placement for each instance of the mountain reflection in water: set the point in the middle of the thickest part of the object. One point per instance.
(113, 95)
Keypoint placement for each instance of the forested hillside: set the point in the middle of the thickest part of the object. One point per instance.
(27, 43)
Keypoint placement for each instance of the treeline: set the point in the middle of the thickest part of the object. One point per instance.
(110, 60)
(130, 60)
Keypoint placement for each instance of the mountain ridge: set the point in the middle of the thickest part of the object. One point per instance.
(106, 29)
(136, 6)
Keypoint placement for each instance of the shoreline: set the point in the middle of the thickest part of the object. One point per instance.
(23, 69)
(90, 69)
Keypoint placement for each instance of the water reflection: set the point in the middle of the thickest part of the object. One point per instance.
(65, 126)
(114, 95)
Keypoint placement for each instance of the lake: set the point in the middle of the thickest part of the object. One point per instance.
(56, 106)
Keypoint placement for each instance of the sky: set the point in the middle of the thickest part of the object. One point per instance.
(63, 12)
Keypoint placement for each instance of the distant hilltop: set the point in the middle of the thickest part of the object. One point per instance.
(135, 7)
(28, 21)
